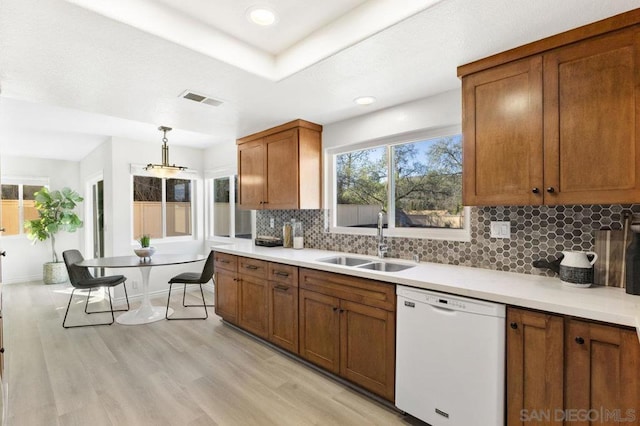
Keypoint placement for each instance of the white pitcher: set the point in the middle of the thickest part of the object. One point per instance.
(576, 270)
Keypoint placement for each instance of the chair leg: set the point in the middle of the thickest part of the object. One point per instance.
(204, 304)
(166, 313)
(206, 314)
(104, 312)
(126, 296)
(184, 290)
(86, 325)
(86, 304)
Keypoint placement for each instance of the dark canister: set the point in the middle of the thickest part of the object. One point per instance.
(632, 259)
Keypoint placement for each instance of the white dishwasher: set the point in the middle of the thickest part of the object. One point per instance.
(450, 358)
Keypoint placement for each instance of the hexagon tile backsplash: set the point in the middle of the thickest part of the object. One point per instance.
(537, 232)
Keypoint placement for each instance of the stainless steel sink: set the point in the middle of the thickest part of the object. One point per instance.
(385, 266)
(344, 260)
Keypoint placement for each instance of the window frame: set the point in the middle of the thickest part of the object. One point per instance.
(21, 181)
(448, 234)
(210, 177)
(192, 176)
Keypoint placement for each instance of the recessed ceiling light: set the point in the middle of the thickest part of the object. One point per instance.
(364, 100)
(261, 15)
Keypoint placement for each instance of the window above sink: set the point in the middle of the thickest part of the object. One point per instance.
(416, 178)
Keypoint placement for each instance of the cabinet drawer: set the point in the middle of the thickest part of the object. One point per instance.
(225, 261)
(361, 290)
(285, 274)
(252, 267)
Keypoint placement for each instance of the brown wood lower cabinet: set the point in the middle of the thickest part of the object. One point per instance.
(253, 305)
(367, 347)
(253, 296)
(283, 306)
(560, 369)
(347, 326)
(602, 372)
(320, 329)
(226, 292)
(535, 362)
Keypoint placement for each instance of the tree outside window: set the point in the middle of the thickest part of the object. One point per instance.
(422, 181)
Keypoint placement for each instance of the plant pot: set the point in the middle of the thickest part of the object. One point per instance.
(54, 273)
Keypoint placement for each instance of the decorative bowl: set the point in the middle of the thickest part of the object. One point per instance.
(145, 252)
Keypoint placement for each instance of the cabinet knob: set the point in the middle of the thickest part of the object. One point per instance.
(514, 325)
(551, 190)
(335, 309)
(579, 340)
(1, 350)
(535, 190)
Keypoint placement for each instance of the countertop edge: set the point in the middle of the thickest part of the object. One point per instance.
(606, 304)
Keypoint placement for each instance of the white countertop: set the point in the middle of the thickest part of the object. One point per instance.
(598, 303)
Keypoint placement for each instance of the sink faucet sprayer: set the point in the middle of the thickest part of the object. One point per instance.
(382, 247)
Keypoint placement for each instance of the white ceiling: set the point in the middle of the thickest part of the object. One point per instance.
(75, 76)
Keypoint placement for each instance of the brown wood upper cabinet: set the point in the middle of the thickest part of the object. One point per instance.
(281, 168)
(556, 121)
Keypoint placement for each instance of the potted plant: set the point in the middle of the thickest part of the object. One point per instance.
(55, 211)
(145, 251)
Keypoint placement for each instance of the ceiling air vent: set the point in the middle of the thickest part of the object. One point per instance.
(201, 99)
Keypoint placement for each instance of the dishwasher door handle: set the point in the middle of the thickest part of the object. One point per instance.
(443, 310)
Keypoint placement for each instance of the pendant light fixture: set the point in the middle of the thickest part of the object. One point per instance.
(164, 170)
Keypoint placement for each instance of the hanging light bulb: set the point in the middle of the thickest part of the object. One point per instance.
(164, 170)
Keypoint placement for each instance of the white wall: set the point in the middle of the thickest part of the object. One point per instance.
(221, 156)
(24, 260)
(433, 112)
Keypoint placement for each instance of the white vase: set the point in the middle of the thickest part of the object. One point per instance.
(54, 273)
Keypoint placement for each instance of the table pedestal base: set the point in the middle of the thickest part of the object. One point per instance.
(143, 315)
(146, 313)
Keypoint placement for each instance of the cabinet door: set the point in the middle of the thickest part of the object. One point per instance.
(592, 125)
(283, 315)
(282, 170)
(320, 329)
(534, 366)
(367, 347)
(603, 372)
(226, 292)
(251, 174)
(253, 305)
(502, 129)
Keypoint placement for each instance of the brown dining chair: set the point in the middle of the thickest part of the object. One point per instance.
(81, 279)
(186, 278)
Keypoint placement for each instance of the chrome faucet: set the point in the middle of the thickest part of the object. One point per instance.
(382, 247)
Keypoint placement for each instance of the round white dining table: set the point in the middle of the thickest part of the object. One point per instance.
(146, 313)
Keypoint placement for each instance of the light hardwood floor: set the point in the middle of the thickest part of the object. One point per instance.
(164, 373)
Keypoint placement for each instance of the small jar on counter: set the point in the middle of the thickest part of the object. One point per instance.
(287, 235)
(298, 236)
